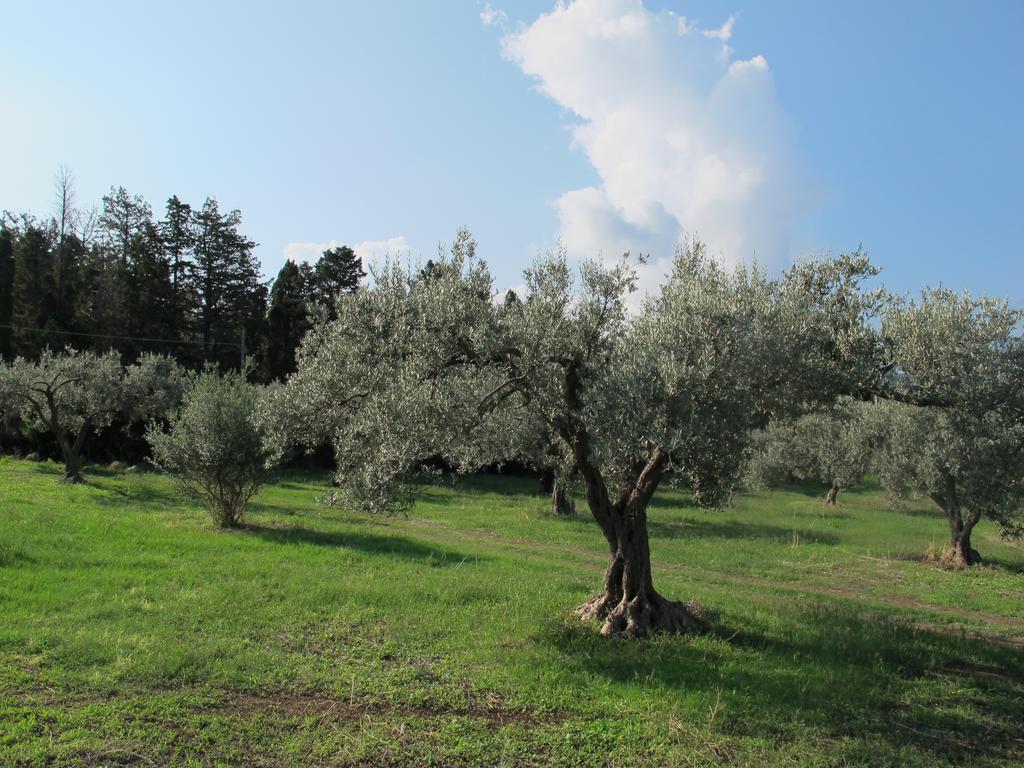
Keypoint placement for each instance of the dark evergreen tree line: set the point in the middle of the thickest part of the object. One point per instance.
(302, 294)
(186, 284)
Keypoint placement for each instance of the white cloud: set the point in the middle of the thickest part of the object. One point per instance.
(493, 17)
(756, 63)
(684, 139)
(520, 290)
(724, 32)
(370, 251)
(307, 252)
(374, 251)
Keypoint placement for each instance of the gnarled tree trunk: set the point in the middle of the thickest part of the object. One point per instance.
(833, 493)
(629, 605)
(561, 502)
(959, 553)
(71, 452)
(70, 446)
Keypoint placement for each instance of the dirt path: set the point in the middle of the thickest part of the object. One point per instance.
(898, 601)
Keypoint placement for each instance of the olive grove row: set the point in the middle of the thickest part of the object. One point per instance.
(724, 374)
(425, 365)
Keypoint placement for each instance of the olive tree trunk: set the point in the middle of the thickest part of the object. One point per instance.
(959, 553)
(832, 495)
(629, 605)
(71, 453)
(561, 501)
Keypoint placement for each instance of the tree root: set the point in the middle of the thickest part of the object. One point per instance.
(71, 478)
(957, 559)
(642, 615)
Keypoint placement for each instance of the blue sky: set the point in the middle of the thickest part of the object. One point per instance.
(794, 128)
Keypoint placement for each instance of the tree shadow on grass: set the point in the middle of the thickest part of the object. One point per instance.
(11, 558)
(808, 489)
(931, 511)
(387, 544)
(138, 495)
(926, 560)
(1001, 563)
(323, 485)
(833, 672)
(705, 529)
(475, 485)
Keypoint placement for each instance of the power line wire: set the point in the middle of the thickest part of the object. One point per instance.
(119, 338)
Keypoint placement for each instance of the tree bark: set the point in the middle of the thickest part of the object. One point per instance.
(959, 553)
(72, 465)
(71, 449)
(830, 497)
(561, 502)
(629, 604)
(71, 452)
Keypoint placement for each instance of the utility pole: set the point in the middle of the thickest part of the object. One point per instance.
(241, 352)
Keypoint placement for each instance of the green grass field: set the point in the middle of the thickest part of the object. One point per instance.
(132, 633)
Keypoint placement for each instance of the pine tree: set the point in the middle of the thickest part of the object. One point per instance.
(6, 292)
(231, 296)
(34, 290)
(287, 320)
(103, 310)
(136, 271)
(176, 233)
(337, 271)
(151, 307)
(67, 279)
(123, 220)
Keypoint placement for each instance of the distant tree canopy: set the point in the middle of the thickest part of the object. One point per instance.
(947, 422)
(71, 394)
(186, 284)
(963, 358)
(835, 446)
(120, 278)
(299, 291)
(338, 271)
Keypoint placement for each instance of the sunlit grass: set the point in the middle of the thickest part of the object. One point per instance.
(134, 633)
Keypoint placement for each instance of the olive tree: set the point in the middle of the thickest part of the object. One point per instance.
(215, 448)
(418, 367)
(153, 388)
(835, 446)
(72, 393)
(960, 360)
(10, 410)
(968, 466)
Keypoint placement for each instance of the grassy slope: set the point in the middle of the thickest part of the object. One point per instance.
(132, 633)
